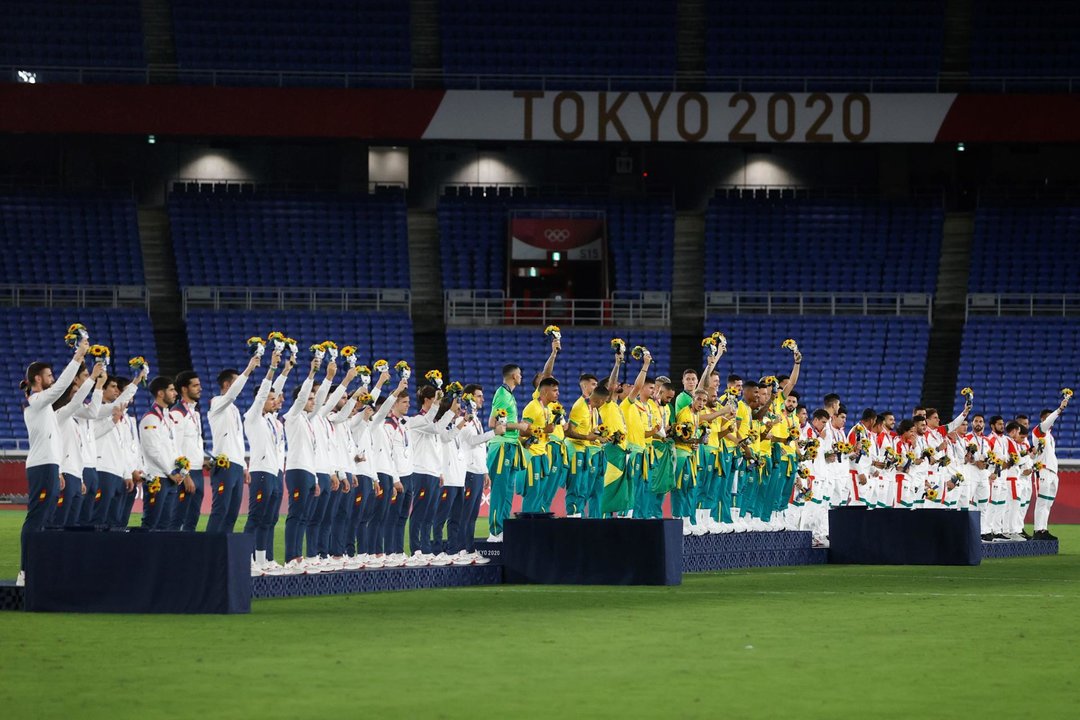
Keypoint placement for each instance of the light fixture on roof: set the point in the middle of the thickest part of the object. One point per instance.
(150, 139)
(960, 147)
(25, 76)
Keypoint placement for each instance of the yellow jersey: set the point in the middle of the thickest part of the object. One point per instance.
(611, 416)
(636, 415)
(583, 419)
(686, 415)
(539, 417)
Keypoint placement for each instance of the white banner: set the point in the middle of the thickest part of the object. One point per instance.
(568, 116)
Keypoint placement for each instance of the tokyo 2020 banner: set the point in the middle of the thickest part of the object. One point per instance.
(534, 115)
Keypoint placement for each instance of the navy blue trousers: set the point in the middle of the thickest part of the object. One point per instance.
(43, 488)
(448, 516)
(107, 504)
(227, 486)
(470, 510)
(189, 505)
(300, 484)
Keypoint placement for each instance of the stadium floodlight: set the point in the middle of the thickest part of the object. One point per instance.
(556, 256)
(150, 139)
(532, 272)
(25, 76)
(960, 147)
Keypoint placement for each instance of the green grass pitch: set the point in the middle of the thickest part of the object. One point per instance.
(808, 642)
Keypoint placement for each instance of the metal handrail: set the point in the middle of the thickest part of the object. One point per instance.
(819, 303)
(1022, 304)
(83, 296)
(492, 307)
(293, 298)
(477, 81)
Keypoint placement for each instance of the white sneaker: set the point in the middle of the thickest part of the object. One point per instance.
(739, 524)
(463, 558)
(374, 562)
(574, 515)
(273, 568)
(293, 567)
(394, 561)
(495, 538)
(312, 566)
(441, 560)
(686, 527)
(480, 560)
(20, 579)
(256, 570)
(698, 530)
(726, 528)
(354, 563)
(416, 561)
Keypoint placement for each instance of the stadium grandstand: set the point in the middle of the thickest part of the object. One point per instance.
(894, 186)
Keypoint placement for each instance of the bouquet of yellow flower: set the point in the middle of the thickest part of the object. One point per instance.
(617, 436)
(968, 394)
(684, 431)
(1039, 465)
(1014, 459)
(222, 461)
(790, 344)
(771, 381)
(558, 412)
(993, 459)
(804, 472)
(76, 333)
(349, 353)
(364, 399)
(278, 339)
(293, 347)
(137, 364)
(434, 377)
(100, 353)
(154, 486)
(455, 389)
(601, 430)
(864, 444)
(943, 461)
(971, 448)
(619, 346)
(721, 339)
(364, 372)
(928, 453)
(892, 458)
(909, 459)
(403, 369)
(318, 351)
(957, 479)
(638, 352)
(843, 448)
(381, 366)
(181, 466)
(1066, 393)
(552, 332)
(256, 346)
(931, 494)
(500, 416)
(331, 349)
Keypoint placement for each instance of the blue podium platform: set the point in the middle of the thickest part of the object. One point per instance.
(705, 553)
(384, 579)
(1028, 548)
(138, 572)
(616, 551)
(887, 536)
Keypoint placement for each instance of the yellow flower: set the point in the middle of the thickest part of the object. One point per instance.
(290, 341)
(222, 461)
(1066, 393)
(719, 337)
(551, 330)
(557, 409)
(280, 337)
(381, 366)
(99, 351)
(182, 464)
(401, 366)
(348, 351)
(968, 393)
(708, 342)
(790, 344)
(329, 345)
(638, 352)
(364, 399)
(618, 345)
(500, 414)
(433, 375)
(364, 370)
(455, 388)
(317, 348)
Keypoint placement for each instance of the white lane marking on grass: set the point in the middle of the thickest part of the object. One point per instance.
(686, 591)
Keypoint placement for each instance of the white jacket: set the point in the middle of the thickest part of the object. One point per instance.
(1048, 456)
(473, 439)
(299, 433)
(226, 425)
(73, 432)
(158, 440)
(189, 437)
(46, 447)
(262, 434)
(426, 445)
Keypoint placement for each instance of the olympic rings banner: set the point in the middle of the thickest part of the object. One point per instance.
(534, 115)
(575, 238)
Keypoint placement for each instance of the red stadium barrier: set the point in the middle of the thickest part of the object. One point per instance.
(1066, 508)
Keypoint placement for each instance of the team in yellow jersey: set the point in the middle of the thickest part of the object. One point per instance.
(726, 458)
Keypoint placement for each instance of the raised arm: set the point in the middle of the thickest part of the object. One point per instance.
(233, 392)
(90, 411)
(789, 384)
(549, 366)
(75, 405)
(711, 364)
(639, 382)
(60, 385)
(614, 376)
(300, 401)
(1045, 425)
(959, 419)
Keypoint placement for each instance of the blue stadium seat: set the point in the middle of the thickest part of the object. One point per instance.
(1025, 248)
(29, 334)
(103, 33)
(1010, 39)
(823, 245)
(471, 359)
(1020, 365)
(90, 238)
(868, 361)
(339, 241)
